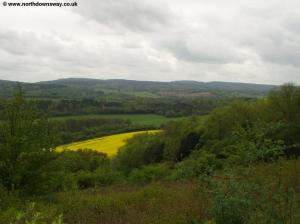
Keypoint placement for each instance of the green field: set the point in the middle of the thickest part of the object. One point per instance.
(109, 144)
(140, 119)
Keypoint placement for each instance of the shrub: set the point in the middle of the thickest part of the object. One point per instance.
(75, 161)
(198, 164)
(106, 177)
(86, 179)
(141, 150)
(181, 138)
(230, 203)
(257, 142)
(149, 173)
(265, 193)
(98, 178)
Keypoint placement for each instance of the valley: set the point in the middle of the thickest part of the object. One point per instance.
(173, 155)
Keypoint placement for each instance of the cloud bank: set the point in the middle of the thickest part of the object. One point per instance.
(205, 40)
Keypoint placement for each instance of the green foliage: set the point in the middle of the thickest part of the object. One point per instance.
(261, 194)
(254, 131)
(285, 107)
(26, 138)
(230, 204)
(150, 173)
(257, 143)
(30, 215)
(224, 120)
(181, 138)
(75, 161)
(98, 178)
(76, 129)
(139, 151)
(285, 103)
(197, 165)
(81, 169)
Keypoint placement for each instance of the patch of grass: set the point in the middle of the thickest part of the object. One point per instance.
(109, 144)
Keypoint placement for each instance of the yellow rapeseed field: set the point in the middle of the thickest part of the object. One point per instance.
(109, 144)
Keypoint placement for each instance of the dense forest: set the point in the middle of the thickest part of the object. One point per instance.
(239, 164)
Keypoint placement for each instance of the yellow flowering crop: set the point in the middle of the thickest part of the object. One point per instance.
(108, 144)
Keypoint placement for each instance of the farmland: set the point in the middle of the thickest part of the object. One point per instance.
(109, 144)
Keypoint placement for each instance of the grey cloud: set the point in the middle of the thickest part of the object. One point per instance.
(134, 15)
(273, 31)
(28, 44)
(205, 50)
(28, 55)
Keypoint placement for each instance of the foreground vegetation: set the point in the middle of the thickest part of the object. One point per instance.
(266, 193)
(238, 165)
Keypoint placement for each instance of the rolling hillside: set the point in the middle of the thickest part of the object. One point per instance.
(81, 87)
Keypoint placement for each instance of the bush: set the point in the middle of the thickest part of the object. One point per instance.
(75, 161)
(86, 179)
(198, 164)
(98, 178)
(257, 142)
(71, 170)
(265, 193)
(181, 138)
(231, 201)
(141, 150)
(106, 177)
(149, 173)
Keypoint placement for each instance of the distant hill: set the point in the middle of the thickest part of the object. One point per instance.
(82, 87)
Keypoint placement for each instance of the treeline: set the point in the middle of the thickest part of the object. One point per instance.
(72, 129)
(170, 107)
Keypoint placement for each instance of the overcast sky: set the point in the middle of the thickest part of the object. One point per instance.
(255, 41)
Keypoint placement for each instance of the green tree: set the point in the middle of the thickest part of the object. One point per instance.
(285, 106)
(181, 137)
(141, 150)
(26, 138)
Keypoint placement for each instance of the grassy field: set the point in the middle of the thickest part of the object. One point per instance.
(140, 119)
(109, 144)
